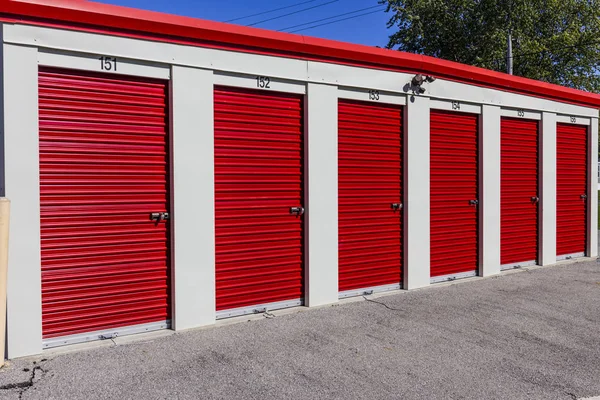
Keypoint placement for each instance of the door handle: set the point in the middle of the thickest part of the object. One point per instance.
(473, 202)
(297, 211)
(535, 199)
(396, 206)
(583, 196)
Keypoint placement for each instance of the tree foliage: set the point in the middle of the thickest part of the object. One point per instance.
(556, 41)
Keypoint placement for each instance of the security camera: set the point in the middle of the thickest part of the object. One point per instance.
(417, 80)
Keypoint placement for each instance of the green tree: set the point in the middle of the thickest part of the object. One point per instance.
(556, 41)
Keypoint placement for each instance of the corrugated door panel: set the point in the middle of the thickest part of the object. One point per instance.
(519, 190)
(454, 172)
(103, 170)
(258, 177)
(571, 188)
(370, 181)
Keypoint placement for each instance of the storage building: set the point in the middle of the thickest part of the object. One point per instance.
(166, 172)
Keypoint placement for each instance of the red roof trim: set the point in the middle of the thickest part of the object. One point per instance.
(122, 21)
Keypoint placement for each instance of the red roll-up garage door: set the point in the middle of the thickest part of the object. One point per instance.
(571, 189)
(103, 171)
(370, 194)
(519, 192)
(258, 179)
(454, 194)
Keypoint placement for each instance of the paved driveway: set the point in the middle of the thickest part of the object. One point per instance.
(529, 335)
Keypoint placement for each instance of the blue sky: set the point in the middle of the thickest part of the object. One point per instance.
(367, 29)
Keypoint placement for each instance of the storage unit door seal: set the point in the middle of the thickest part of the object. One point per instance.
(369, 195)
(103, 171)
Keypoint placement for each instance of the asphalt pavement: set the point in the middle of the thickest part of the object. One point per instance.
(531, 334)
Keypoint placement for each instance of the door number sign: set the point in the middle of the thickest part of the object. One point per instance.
(108, 63)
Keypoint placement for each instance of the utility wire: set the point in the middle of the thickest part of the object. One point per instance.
(328, 18)
(292, 13)
(271, 11)
(333, 22)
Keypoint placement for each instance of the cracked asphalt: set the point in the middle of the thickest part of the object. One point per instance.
(533, 334)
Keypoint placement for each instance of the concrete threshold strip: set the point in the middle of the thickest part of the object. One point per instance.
(151, 336)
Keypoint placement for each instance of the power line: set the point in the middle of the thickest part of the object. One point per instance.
(333, 22)
(328, 18)
(292, 13)
(271, 11)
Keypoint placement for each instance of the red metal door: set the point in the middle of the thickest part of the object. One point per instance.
(258, 178)
(370, 194)
(571, 189)
(519, 191)
(103, 170)
(454, 193)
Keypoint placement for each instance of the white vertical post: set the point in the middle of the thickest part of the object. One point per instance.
(193, 239)
(416, 271)
(489, 191)
(592, 245)
(547, 227)
(4, 232)
(21, 162)
(321, 219)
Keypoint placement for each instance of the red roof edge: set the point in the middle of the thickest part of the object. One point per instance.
(77, 14)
